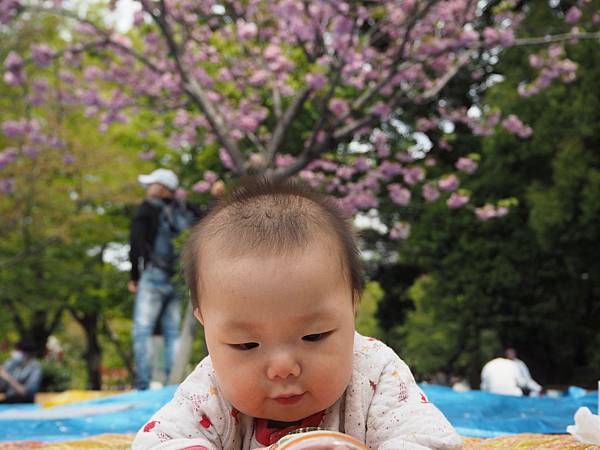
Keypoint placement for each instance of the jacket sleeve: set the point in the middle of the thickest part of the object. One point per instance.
(138, 238)
(197, 417)
(401, 417)
(34, 380)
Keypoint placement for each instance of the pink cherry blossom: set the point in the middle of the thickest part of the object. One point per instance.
(7, 156)
(201, 186)
(7, 185)
(15, 128)
(13, 62)
(457, 200)
(138, 18)
(284, 160)
(389, 169)
(226, 159)
(485, 212)
(466, 165)
(42, 54)
(210, 176)
(501, 211)
(430, 192)
(573, 15)
(316, 80)
(13, 78)
(449, 183)
(246, 30)
(30, 152)
(345, 172)
(514, 125)
(381, 145)
(380, 109)
(338, 106)
(248, 124)
(413, 175)
(238, 73)
(68, 158)
(361, 164)
(259, 77)
(399, 195)
(147, 156)
(400, 231)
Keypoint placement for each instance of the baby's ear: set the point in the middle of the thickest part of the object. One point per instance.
(198, 315)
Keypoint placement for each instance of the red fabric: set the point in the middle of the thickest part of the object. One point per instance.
(150, 425)
(205, 422)
(268, 436)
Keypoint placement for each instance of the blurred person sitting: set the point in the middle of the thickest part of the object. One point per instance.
(502, 376)
(21, 375)
(528, 385)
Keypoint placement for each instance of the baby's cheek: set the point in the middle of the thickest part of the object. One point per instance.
(329, 385)
(243, 395)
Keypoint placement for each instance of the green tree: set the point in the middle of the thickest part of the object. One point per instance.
(529, 279)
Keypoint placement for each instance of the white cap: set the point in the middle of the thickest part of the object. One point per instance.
(165, 177)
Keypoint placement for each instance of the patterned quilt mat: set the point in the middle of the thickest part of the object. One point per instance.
(518, 442)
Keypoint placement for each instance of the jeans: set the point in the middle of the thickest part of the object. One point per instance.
(156, 296)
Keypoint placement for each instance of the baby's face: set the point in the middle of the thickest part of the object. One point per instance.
(279, 330)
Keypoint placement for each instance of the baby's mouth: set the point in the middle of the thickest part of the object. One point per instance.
(288, 399)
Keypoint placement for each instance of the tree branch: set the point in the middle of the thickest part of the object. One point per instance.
(443, 81)
(284, 123)
(196, 93)
(17, 319)
(362, 100)
(305, 157)
(55, 320)
(555, 38)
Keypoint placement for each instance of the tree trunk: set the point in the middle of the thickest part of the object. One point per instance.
(186, 341)
(126, 356)
(93, 352)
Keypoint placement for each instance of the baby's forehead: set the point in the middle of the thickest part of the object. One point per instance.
(225, 247)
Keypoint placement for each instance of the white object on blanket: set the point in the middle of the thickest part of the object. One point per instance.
(587, 427)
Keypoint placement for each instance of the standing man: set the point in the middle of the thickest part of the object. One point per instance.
(158, 221)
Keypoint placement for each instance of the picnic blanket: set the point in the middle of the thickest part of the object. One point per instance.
(474, 414)
(516, 442)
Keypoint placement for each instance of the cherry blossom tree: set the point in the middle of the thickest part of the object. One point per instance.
(297, 88)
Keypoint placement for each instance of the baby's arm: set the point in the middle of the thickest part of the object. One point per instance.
(401, 417)
(196, 418)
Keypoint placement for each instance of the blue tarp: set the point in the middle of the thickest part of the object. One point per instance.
(473, 413)
(481, 414)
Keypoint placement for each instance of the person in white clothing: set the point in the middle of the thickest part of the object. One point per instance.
(501, 376)
(275, 280)
(528, 385)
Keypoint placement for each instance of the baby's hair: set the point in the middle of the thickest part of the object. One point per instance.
(275, 217)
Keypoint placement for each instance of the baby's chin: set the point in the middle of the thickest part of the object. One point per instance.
(283, 415)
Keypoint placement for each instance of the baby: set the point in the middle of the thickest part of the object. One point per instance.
(275, 281)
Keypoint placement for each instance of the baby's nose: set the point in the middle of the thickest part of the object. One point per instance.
(282, 365)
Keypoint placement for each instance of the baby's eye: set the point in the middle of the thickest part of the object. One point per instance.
(245, 346)
(314, 337)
